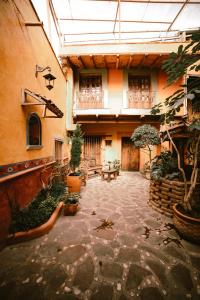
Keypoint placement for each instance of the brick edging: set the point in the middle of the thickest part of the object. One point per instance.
(23, 236)
(164, 194)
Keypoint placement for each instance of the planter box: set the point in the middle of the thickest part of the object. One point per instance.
(35, 232)
(188, 227)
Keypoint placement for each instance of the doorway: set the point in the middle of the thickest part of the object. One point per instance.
(92, 148)
(130, 155)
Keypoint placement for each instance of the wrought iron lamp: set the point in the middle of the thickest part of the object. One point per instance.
(49, 78)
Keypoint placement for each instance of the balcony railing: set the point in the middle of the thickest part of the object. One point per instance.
(140, 99)
(89, 99)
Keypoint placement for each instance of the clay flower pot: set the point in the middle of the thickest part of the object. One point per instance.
(71, 204)
(188, 227)
(70, 209)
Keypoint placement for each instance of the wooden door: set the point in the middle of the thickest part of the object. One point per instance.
(130, 155)
(92, 148)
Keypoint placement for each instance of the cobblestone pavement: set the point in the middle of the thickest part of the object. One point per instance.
(141, 257)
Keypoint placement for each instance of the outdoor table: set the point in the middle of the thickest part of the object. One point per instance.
(108, 174)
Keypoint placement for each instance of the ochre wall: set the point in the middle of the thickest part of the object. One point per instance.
(165, 90)
(22, 47)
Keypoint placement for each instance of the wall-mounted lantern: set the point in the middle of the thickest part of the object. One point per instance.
(49, 78)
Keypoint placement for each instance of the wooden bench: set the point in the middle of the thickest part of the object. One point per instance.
(94, 169)
(90, 168)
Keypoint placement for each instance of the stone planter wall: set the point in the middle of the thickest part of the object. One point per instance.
(164, 194)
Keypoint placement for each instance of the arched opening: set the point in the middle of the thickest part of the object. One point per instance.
(34, 132)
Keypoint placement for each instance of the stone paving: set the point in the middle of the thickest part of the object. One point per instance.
(141, 257)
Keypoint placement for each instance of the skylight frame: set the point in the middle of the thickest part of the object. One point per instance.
(119, 26)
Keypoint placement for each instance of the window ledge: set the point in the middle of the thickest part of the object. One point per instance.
(34, 147)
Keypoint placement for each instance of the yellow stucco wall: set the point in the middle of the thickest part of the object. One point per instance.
(115, 89)
(21, 48)
(165, 90)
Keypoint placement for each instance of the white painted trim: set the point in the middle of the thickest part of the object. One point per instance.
(109, 49)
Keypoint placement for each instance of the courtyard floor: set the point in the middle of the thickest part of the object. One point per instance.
(140, 257)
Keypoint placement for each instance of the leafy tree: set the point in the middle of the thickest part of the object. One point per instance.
(176, 66)
(77, 141)
(145, 136)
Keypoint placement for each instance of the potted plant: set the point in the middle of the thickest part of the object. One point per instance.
(187, 214)
(144, 137)
(74, 178)
(71, 204)
(116, 165)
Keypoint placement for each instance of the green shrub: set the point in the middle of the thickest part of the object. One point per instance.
(164, 165)
(39, 210)
(145, 136)
(57, 189)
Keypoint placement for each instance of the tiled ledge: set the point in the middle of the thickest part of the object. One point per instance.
(20, 173)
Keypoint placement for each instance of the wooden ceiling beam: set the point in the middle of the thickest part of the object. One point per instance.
(117, 62)
(105, 62)
(155, 60)
(130, 61)
(142, 60)
(93, 61)
(82, 62)
(70, 64)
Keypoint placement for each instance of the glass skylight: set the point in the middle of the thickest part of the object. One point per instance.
(102, 21)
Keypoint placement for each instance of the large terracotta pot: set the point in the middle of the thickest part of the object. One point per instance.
(73, 184)
(188, 227)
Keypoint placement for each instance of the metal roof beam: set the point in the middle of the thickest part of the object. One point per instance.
(147, 1)
(112, 20)
(179, 12)
(116, 16)
(110, 32)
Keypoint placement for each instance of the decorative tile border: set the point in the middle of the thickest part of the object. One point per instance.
(10, 169)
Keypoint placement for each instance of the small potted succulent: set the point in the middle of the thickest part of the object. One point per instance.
(71, 204)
